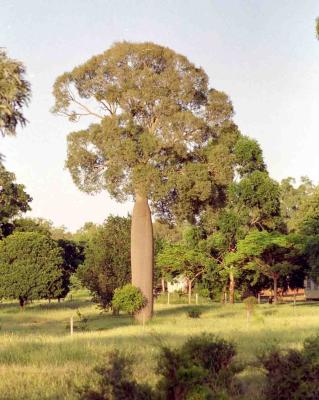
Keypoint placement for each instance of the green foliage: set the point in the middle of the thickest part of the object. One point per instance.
(160, 129)
(75, 282)
(107, 259)
(295, 201)
(204, 364)
(14, 94)
(128, 299)
(293, 374)
(30, 267)
(249, 156)
(257, 196)
(272, 254)
(317, 27)
(194, 313)
(13, 200)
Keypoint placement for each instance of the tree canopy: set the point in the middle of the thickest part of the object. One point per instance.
(157, 121)
(13, 200)
(14, 94)
(107, 259)
(30, 267)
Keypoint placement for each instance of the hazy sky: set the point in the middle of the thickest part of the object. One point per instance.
(263, 53)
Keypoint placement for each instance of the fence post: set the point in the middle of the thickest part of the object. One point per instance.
(196, 298)
(71, 325)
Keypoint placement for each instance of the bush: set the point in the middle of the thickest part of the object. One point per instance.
(194, 313)
(203, 366)
(128, 299)
(292, 374)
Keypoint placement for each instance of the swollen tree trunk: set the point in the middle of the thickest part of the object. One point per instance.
(142, 254)
(231, 288)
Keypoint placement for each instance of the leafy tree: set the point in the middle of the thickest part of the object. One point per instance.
(257, 199)
(107, 260)
(292, 198)
(185, 258)
(14, 94)
(162, 136)
(252, 202)
(73, 256)
(32, 225)
(269, 253)
(30, 267)
(317, 27)
(13, 200)
(85, 233)
(249, 156)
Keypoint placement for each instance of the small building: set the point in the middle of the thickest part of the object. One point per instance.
(178, 284)
(311, 290)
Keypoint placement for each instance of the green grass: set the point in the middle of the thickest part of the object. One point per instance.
(40, 360)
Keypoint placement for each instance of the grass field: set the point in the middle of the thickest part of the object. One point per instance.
(40, 360)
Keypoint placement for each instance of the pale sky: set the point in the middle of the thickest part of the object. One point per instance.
(262, 53)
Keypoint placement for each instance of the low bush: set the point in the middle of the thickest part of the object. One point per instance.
(203, 368)
(194, 313)
(128, 299)
(292, 374)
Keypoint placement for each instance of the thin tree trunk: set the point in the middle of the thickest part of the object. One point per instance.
(163, 285)
(231, 288)
(189, 291)
(142, 254)
(275, 278)
(223, 296)
(21, 302)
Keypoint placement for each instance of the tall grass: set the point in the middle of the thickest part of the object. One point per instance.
(40, 360)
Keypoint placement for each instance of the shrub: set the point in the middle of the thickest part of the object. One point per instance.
(128, 299)
(292, 374)
(194, 313)
(203, 366)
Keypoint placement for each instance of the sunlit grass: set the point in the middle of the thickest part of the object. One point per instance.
(40, 360)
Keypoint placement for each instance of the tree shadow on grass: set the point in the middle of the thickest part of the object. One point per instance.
(308, 304)
(177, 310)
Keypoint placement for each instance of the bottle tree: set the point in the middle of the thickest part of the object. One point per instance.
(156, 120)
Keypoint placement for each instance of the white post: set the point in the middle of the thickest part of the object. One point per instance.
(196, 297)
(168, 297)
(71, 325)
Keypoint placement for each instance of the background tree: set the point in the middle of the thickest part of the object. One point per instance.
(13, 200)
(30, 267)
(291, 199)
(272, 254)
(14, 94)
(158, 125)
(186, 258)
(107, 260)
